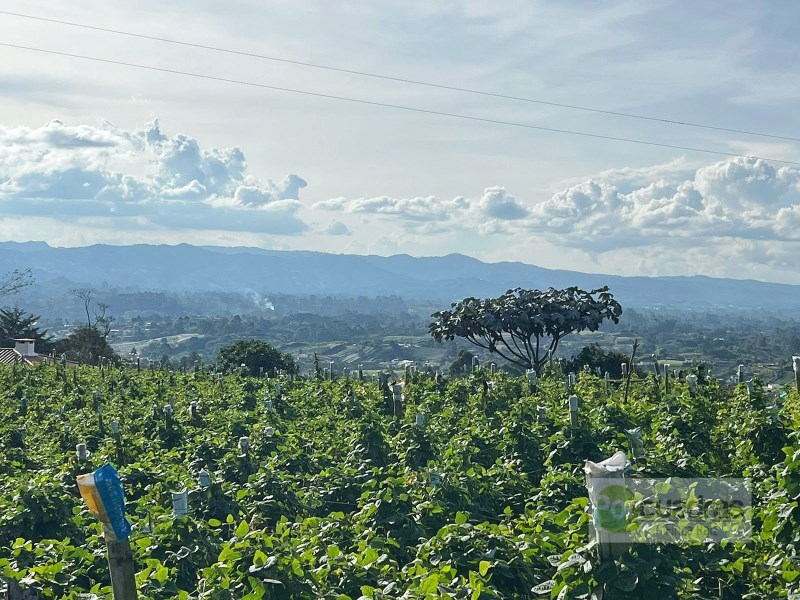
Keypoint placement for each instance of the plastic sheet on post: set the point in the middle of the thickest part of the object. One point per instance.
(103, 494)
(607, 492)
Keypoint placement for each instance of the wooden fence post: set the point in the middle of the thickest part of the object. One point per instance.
(573, 411)
(632, 364)
(796, 365)
(605, 482)
(532, 379)
(691, 379)
(122, 568)
(103, 495)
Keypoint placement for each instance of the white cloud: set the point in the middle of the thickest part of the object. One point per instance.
(429, 215)
(416, 209)
(733, 218)
(154, 180)
(337, 228)
(81, 184)
(500, 205)
(740, 198)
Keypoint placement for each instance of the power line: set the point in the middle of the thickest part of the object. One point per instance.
(404, 80)
(395, 106)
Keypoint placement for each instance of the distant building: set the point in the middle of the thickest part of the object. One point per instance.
(23, 353)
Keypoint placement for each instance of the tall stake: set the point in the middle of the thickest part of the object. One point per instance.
(796, 365)
(630, 370)
(122, 568)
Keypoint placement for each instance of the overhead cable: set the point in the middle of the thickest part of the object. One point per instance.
(393, 106)
(403, 79)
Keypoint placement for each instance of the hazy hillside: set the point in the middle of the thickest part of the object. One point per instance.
(186, 268)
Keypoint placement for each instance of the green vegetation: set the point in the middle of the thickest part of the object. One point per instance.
(341, 495)
(593, 357)
(86, 344)
(15, 323)
(524, 327)
(257, 357)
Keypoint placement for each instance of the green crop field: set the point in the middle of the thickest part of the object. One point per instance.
(341, 494)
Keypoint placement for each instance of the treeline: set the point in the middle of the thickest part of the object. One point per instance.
(160, 305)
(753, 336)
(295, 327)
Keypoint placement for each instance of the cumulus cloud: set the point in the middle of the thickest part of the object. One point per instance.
(742, 198)
(156, 180)
(735, 218)
(429, 215)
(497, 203)
(337, 228)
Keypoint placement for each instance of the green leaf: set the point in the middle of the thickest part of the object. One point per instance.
(484, 567)
(297, 568)
(333, 551)
(461, 518)
(243, 529)
(430, 585)
(144, 542)
(738, 564)
(257, 587)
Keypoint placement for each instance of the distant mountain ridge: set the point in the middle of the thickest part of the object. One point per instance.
(186, 268)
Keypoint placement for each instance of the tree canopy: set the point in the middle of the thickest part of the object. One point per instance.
(254, 355)
(594, 356)
(15, 323)
(522, 326)
(86, 344)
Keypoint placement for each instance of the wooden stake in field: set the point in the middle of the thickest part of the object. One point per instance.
(122, 569)
(628, 375)
(397, 398)
(796, 365)
(607, 492)
(532, 379)
(692, 381)
(102, 492)
(573, 411)
(118, 442)
(635, 444)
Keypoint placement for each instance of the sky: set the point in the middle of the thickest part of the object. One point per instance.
(94, 152)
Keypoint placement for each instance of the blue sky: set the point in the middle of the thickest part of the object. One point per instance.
(101, 153)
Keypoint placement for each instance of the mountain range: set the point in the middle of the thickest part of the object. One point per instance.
(185, 268)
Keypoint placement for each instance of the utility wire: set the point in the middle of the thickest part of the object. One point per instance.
(395, 106)
(401, 79)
